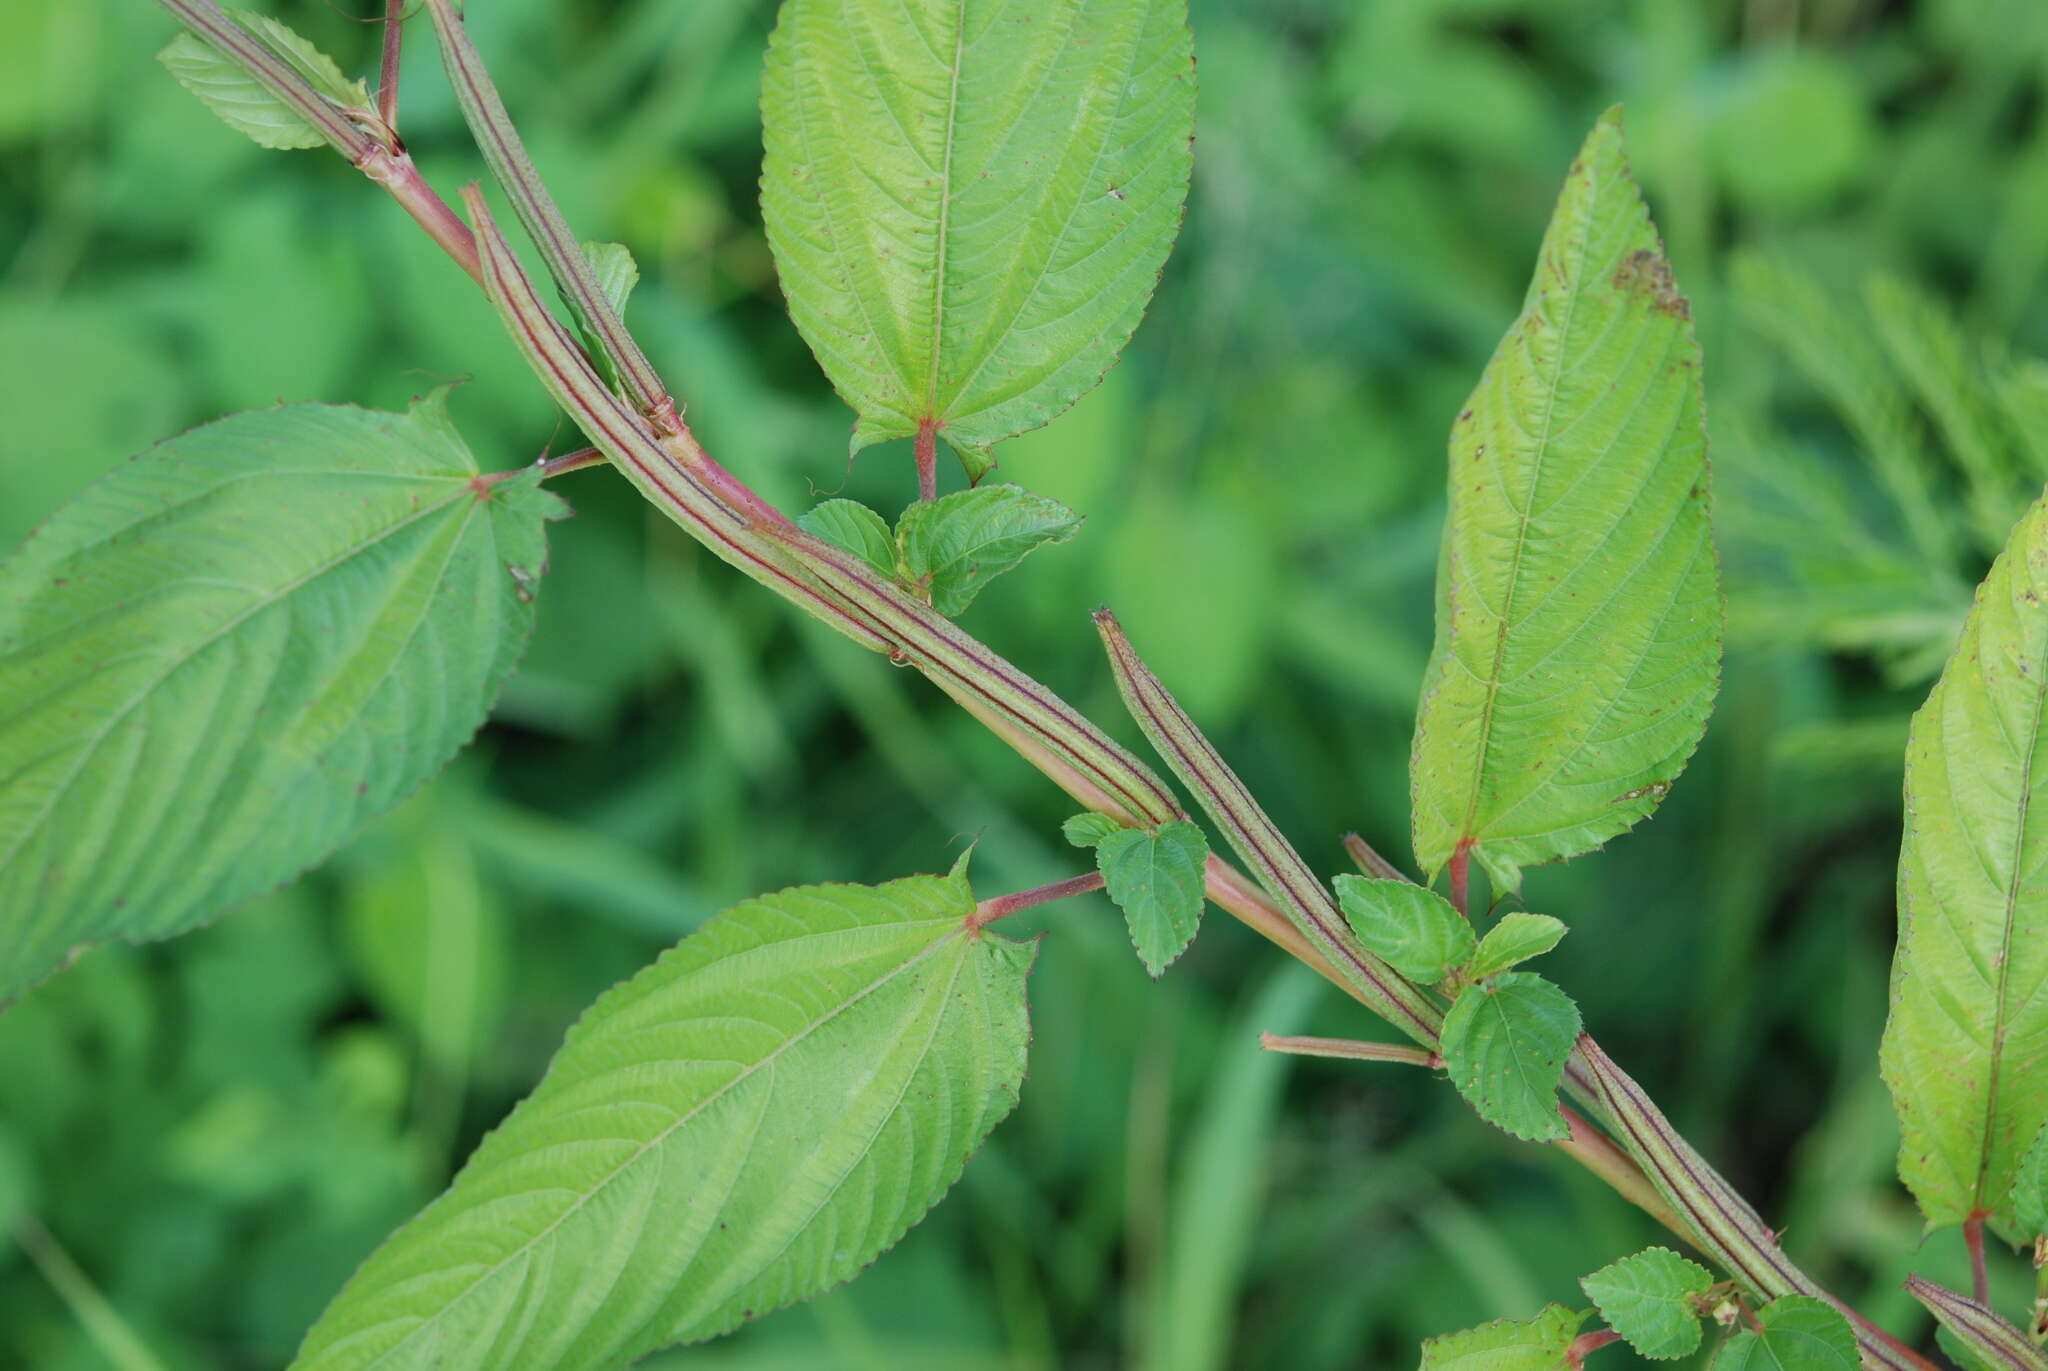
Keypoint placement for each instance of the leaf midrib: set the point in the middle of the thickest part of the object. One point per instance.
(2004, 979)
(1500, 646)
(657, 1140)
(931, 382)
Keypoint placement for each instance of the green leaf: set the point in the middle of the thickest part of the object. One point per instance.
(225, 657)
(1515, 939)
(1155, 877)
(246, 104)
(2029, 1196)
(1799, 1333)
(1086, 830)
(315, 66)
(851, 525)
(1968, 1016)
(1505, 1043)
(747, 1122)
(242, 102)
(1648, 1298)
(1578, 637)
(958, 543)
(1413, 929)
(1537, 1344)
(617, 273)
(969, 206)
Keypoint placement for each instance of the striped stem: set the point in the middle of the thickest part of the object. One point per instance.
(1982, 1331)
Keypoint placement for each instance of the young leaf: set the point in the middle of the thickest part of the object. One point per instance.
(1537, 1344)
(969, 206)
(747, 1122)
(1155, 877)
(1648, 1298)
(852, 525)
(958, 543)
(1968, 1018)
(1578, 638)
(1505, 1044)
(2029, 1194)
(226, 656)
(617, 273)
(1088, 829)
(1412, 928)
(1515, 939)
(1796, 1333)
(242, 102)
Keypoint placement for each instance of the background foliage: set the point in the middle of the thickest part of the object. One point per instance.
(217, 1129)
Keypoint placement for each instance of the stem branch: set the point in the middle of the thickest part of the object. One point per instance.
(1002, 906)
(1351, 1049)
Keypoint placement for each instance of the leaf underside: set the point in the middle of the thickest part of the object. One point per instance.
(1412, 928)
(225, 657)
(953, 546)
(969, 202)
(747, 1122)
(1579, 614)
(1967, 1038)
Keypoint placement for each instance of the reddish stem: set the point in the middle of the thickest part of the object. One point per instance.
(1460, 869)
(387, 75)
(1002, 906)
(1575, 1355)
(927, 460)
(1980, 1275)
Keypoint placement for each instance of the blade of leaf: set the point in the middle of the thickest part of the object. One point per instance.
(955, 545)
(747, 1122)
(241, 101)
(969, 206)
(1415, 930)
(1537, 1344)
(1505, 1044)
(1647, 1299)
(1796, 1333)
(1968, 1015)
(2029, 1194)
(1155, 877)
(1088, 829)
(1579, 615)
(223, 658)
(1518, 936)
(851, 525)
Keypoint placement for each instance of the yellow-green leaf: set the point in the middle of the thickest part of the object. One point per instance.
(969, 203)
(1968, 1034)
(1578, 636)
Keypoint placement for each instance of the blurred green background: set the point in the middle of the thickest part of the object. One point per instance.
(210, 1133)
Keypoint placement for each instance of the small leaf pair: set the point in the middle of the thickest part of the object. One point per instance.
(1653, 1300)
(1422, 935)
(1509, 1033)
(1154, 876)
(947, 549)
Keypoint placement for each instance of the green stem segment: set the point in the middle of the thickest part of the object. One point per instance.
(1991, 1337)
(1718, 1219)
(566, 261)
(1349, 1049)
(1259, 843)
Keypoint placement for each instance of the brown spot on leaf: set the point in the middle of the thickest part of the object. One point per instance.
(1646, 270)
